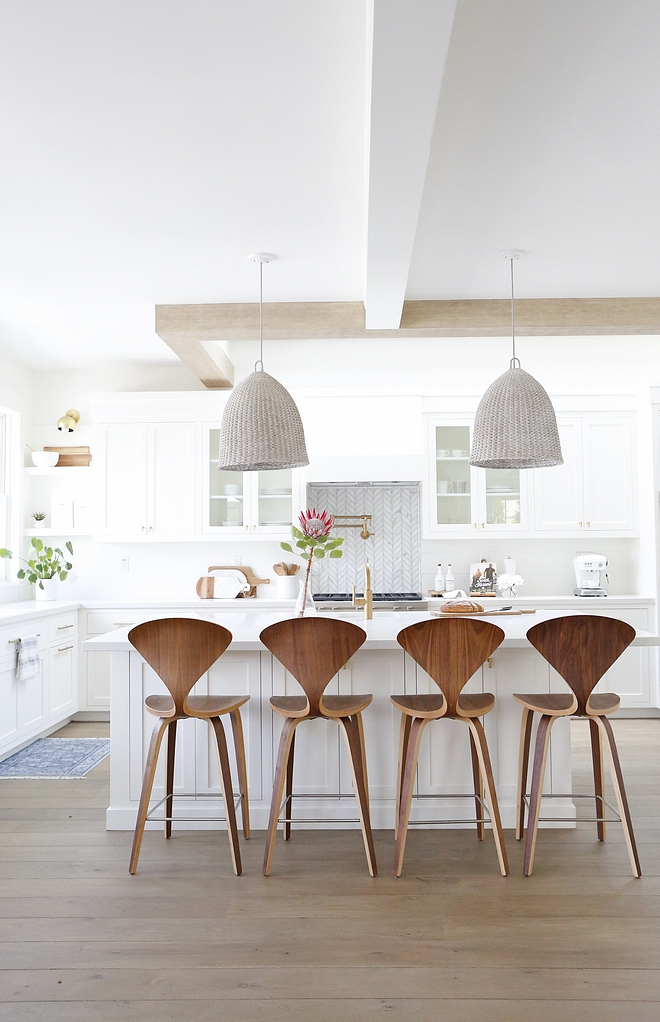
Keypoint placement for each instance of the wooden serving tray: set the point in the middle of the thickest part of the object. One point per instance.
(76, 457)
(480, 613)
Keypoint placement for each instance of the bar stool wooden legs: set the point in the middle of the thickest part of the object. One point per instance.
(580, 648)
(313, 649)
(180, 651)
(450, 650)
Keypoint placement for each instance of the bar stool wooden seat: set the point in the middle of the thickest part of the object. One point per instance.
(450, 650)
(180, 651)
(313, 649)
(581, 648)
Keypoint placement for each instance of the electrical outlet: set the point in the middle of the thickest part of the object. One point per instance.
(124, 564)
(238, 560)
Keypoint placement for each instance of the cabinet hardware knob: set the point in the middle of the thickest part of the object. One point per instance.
(142, 528)
(483, 525)
(61, 628)
(580, 524)
(61, 649)
(151, 528)
(475, 525)
(122, 624)
(588, 525)
(490, 661)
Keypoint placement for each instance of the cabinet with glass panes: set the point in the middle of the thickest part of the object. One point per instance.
(465, 498)
(264, 502)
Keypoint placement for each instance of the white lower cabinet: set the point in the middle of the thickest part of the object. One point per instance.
(35, 706)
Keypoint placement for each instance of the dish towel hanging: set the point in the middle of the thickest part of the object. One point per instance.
(28, 658)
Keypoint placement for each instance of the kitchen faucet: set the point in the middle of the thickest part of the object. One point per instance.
(366, 601)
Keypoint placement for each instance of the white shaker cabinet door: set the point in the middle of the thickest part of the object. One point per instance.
(61, 678)
(558, 490)
(608, 490)
(123, 479)
(171, 480)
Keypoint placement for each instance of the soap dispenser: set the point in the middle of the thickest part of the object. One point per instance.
(450, 581)
(439, 584)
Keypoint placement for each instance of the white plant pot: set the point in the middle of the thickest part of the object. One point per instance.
(49, 591)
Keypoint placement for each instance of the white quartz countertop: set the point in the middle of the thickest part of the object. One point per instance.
(12, 613)
(381, 631)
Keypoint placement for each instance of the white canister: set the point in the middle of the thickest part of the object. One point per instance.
(287, 587)
(509, 566)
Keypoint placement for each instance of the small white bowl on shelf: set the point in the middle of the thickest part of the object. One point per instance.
(45, 459)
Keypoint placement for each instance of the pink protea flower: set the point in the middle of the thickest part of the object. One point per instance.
(315, 523)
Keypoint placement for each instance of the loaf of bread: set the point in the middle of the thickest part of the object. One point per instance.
(462, 607)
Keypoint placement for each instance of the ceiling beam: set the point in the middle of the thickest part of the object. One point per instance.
(185, 327)
(206, 359)
(407, 52)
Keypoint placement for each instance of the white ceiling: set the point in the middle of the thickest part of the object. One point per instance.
(147, 146)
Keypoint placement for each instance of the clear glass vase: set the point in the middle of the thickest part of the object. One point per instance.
(305, 603)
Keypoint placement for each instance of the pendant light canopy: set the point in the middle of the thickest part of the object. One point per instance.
(515, 425)
(261, 425)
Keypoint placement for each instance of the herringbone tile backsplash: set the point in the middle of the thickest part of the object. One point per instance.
(394, 550)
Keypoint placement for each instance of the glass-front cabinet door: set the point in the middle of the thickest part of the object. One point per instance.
(463, 499)
(247, 503)
(454, 479)
(502, 493)
(226, 494)
(274, 500)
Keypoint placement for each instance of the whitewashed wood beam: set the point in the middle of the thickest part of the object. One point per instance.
(407, 51)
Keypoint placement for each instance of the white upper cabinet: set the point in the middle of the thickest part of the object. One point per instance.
(146, 480)
(593, 490)
(608, 476)
(558, 490)
(247, 503)
(121, 463)
(171, 480)
(462, 499)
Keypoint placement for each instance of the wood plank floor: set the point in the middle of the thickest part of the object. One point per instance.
(450, 940)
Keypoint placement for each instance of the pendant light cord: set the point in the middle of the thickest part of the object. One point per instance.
(515, 362)
(260, 363)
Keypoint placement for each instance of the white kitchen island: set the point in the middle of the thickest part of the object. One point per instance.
(379, 667)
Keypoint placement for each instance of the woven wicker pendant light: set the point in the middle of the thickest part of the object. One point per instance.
(261, 425)
(515, 425)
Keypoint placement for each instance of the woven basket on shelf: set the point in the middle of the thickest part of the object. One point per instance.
(515, 425)
(261, 428)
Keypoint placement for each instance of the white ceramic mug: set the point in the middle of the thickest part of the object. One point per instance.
(458, 454)
(443, 486)
(442, 454)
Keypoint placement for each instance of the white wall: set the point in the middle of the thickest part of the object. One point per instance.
(16, 384)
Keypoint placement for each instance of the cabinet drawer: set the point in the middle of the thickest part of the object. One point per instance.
(98, 623)
(11, 632)
(62, 627)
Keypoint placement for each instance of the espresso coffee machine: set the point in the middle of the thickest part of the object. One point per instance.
(589, 574)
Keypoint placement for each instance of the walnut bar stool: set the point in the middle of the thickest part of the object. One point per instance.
(581, 648)
(180, 651)
(313, 649)
(450, 650)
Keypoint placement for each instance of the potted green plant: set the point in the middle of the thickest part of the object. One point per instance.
(39, 519)
(44, 568)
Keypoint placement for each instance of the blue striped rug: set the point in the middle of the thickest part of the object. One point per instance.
(56, 758)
